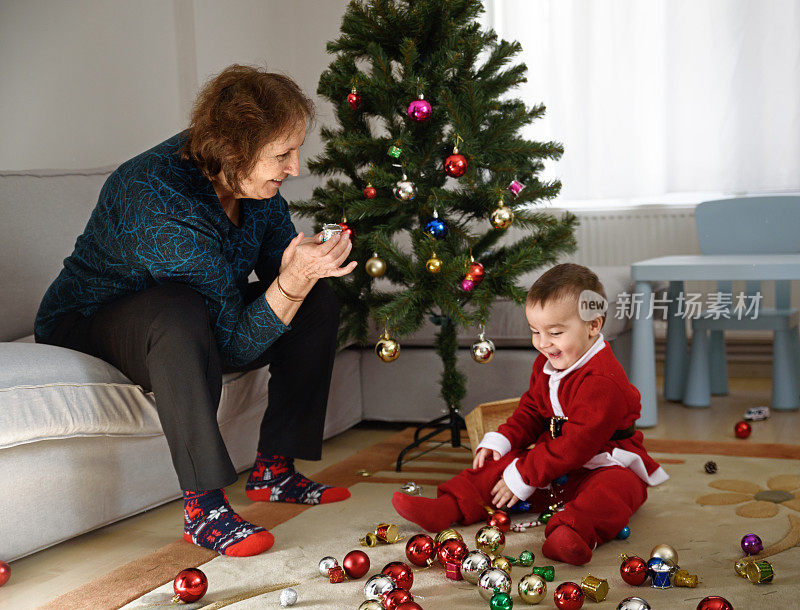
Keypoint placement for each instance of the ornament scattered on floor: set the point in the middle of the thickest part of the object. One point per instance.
(660, 576)
(354, 99)
(521, 527)
(710, 467)
(503, 563)
(445, 535)
(369, 191)
(594, 588)
(409, 606)
(740, 567)
(714, 602)
(545, 517)
(387, 349)
(751, 544)
(356, 564)
(633, 603)
(742, 429)
(473, 565)
(757, 413)
(392, 599)
(5, 573)
(633, 570)
(404, 189)
(288, 597)
(501, 601)
(759, 572)
(452, 550)
(336, 575)
(420, 110)
(189, 585)
(624, 533)
(546, 572)
(493, 580)
(377, 585)
(420, 550)
(525, 559)
(388, 533)
(665, 552)
(369, 540)
(371, 604)
(325, 564)
(521, 507)
(532, 588)
(515, 187)
(684, 579)
(452, 570)
(568, 596)
(490, 540)
(375, 266)
(401, 574)
(411, 488)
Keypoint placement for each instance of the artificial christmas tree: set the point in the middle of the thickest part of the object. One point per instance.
(431, 171)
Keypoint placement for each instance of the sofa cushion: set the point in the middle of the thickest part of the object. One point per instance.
(51, 392)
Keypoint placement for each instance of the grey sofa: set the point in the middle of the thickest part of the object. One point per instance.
(73, 428)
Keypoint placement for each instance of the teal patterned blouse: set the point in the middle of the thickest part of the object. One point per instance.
(159, 220)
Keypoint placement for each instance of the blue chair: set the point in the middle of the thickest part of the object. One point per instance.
(750, 225)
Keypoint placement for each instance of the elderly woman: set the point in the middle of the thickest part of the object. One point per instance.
(158, 286)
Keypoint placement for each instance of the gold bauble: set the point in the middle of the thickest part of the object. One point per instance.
(387, 349)
(445, 535)
(665, 552)
(502, 563)
(433, 264)
(502, 217)
(490, 540)
(532, 588)
(375, 266)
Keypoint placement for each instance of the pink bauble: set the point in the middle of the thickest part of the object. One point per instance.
(419, 110)
(467, 285)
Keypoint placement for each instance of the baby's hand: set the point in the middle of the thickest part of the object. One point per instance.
(482, 454)
(502, 495)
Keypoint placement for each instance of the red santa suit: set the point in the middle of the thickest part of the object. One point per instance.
(606, 479)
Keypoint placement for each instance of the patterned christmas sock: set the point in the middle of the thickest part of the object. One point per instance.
(209, 521)
(274, 479)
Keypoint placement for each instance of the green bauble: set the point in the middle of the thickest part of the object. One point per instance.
(525, 559)
(545, 517)
(501, 601)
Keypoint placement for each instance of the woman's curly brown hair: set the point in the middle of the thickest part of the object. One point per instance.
(236, 114)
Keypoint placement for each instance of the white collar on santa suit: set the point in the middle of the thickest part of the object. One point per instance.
(557, 375)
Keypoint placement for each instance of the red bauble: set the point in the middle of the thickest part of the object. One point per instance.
(476, 273)
(190, 585)
(354, 99)
(568, 596)
(400, 573)
(499, 519)
(452, 550)
(742, 429)
(392, 599)
(455, 165)
(714, 602)
(409, 606)
(633, 570)
(347, 227)
(5, 573)
(420, 549)
(370, 192)
(356, 564)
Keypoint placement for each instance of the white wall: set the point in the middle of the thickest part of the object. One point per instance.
(87, 83)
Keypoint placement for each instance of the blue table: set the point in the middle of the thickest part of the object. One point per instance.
(676, 270)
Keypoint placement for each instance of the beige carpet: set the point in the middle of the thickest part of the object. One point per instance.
(705, 536)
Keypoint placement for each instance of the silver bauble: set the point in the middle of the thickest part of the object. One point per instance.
(493, 580)
(633, 603)
(376, 586)
(325, 564)
(665, 552)
(473, 564)
(288, 597)
(404, 190)
(371, 604)
(532, 588)
(482, 351)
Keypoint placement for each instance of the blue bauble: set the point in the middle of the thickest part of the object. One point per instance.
(521, 506)
(561, 480)
(624, 533)
(436, 228)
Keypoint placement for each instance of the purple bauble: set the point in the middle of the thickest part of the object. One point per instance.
(419, 110)
(467, 284)
(751, 544)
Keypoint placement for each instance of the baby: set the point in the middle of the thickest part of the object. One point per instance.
(571, 441)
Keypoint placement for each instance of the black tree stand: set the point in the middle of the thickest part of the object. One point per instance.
(453, 390)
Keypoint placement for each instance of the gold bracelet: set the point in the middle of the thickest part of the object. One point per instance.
(284, 293)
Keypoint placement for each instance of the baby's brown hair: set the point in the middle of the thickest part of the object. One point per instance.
(564, 281)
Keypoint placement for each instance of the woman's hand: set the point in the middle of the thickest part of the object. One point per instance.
(502, 495)
(309, 260)
(482, 454)
(288, 253)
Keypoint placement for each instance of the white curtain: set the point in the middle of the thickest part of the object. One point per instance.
(659, 97)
